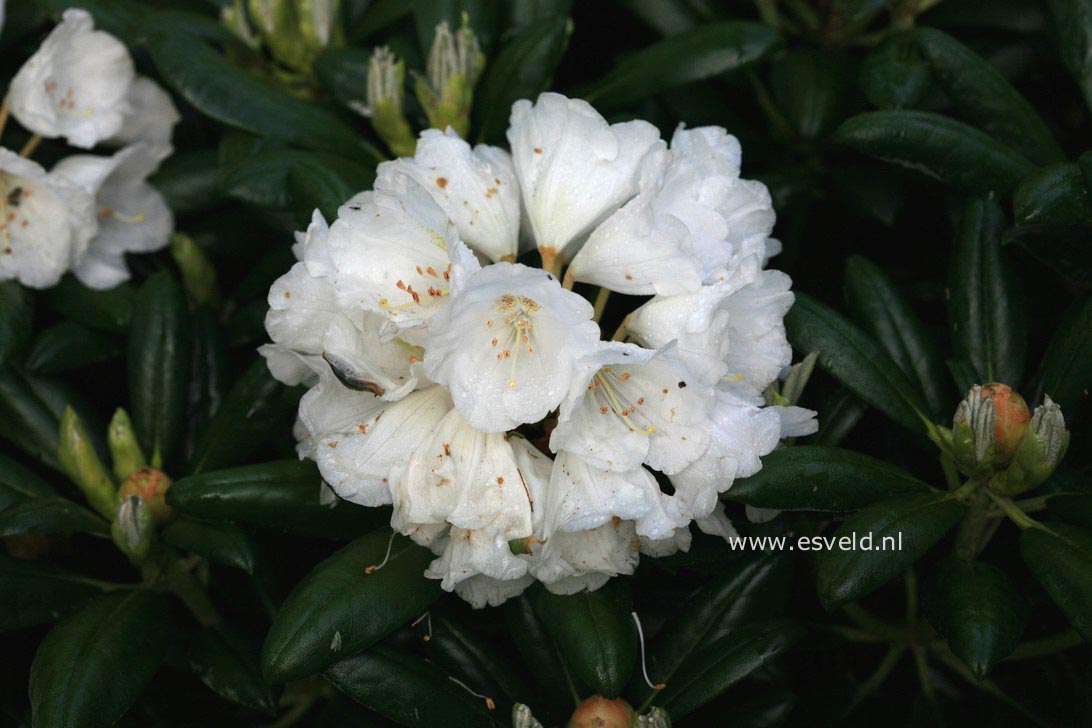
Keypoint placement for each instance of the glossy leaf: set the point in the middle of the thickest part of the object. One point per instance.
(18, 483)
(281, 495)
(539, 651)
(208, 381)
(703, 52)
(68, 345)
(813, 478)
(1055, 194)
(985, 303)
(1061, 560)
(222, 543)
(810, 87)
(894, 75)
(227, 662)
(109, 310)
(33, 592)
(344, 73)
(49, 514)
(1067, 364)
(16, 318)
(878, 305)
(856, 360)
(315, 184)
(338, 609)
(910, 523)
(942, 148)
(189, 181)
(118, 642)
(978, 610)
(842, 410)
(26, 420)
(1073, 24)
(594, 633)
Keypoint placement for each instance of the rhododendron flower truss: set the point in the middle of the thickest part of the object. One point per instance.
(476, 393)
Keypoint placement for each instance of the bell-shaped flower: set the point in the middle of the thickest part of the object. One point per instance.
(640, 406)
(46, 222)
(133, 216)
(471, 553)
(509, 345)
(76, 85)
(396, 253)
(484, 591)
(152, 116)
(574, 168)
(476, 188)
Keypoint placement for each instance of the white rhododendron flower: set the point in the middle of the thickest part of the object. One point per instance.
(76, 85)
(151, 118)
(476, 395)
(46, 222)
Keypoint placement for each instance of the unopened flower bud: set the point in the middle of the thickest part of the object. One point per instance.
(454, 64)
(1010, 422)
(988, 426)
(198, 273)
(522, 717)
(124, 449)
(385, 94)
(150, 485)
(655, 718)
(1039, 453)
(233, 17)
(598, 712)
(320, 24)
(133, 529)
(296, 31)
(81, 463)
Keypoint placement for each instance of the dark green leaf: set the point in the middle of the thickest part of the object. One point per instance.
(522, 70)
(1073, 24)
(264, 178)
(49, 514)
(937, 146)
(985, 98)
(594, 633)
(1054, 194)
(315, 184)
(93, 665)
(704, 52)
(344, 72)
(842, 410)
(813, 478)
(878, 305)
(666, 17)
(116, 17)
(18, 483)
(985, 303)
(220, 542)
(207, 384)
(408, 690)
(894, 75)
(1075, 508)
(16, 318)
(809, 87)
(26, 420)
(963, 374)
(538, 650)
(159, 356)
(724, 663)
(377, 15)
(1061, 559)
(338, 609)
(227, 662)
(1067, 364)
(911, 524)
(978, 610)
(855, 360)
(855, 12)
(230, 95)
(68, 345)
(281, 495)
(34, 593)
(109, 310)
(190, 181)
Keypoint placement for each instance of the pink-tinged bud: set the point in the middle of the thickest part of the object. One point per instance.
(1010, 422)
(150, 485)
(598, 712)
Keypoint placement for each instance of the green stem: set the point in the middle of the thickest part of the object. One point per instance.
(951, 475)
(851, 634)
(600, 302)
(927, 683)
(1015, 515)
(987, 686)
(969, 541)
(873, 624)
(876, 679)
(183, 584)
(1046, 646)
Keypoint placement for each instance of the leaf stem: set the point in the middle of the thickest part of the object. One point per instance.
(1015, 515)
(876, 679)
(1046, 646)
(600, 304)
(30, 146)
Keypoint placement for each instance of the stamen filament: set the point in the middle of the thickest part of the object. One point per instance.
(644, 668)
(376, 567)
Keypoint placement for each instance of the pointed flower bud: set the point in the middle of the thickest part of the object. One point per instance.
(988, 426)
(124, 448)
(133, 529)
(81, 463)
(656, 717)
(150, 485)
(320, 25)
(386, 83)
(198, 273)
(1039, 453)
(598, 712)
(522, 717)
(296, 31)
(454, 64)
(233, 17)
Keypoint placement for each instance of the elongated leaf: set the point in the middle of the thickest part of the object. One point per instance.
(228, 94)
(18, 483)
(817, 478)
(33, 593)
(27, 421)
(985, 98)
(220, 542)
(109, 310)
(978, 610)
(49, 514)
(190, 181)
(1073, 23)
(1054, 194)
(855, 360)
(703, 52)
(810, 87)
(318, 185)
(666, 17)
(877, 304)
(1067, 364)
(344, 72)
(539, 651)
(92, 666)
(937, 146)
(281, 495)
(338, 609)
(1075, 508)
(900, 530)
(842, 410)
(724, 663)
(159, 357)
(894, 75)
(522, 70)
(208, 381)
(16, 318)
(68, 346)
(594, 633)
(408, 690)
(264, 178)
(227, 662)
(1061, 560)
(377, 15)
(985, 303)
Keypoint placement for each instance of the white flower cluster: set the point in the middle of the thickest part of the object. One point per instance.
(475, 394)
(88, 211)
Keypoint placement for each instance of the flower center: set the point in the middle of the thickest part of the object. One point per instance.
(67, 101)
(517, 318)
(613, 392)
(13, 197)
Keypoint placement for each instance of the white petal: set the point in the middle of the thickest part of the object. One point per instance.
(574, 168)
(152, 116)
(717, 523)
(473, 553)
(483, 591)
(476, 188)
(582, 496)
(761, 515)
(574, 561)
(797, 421)
(508, 345)
(660, 547)
(75, 85)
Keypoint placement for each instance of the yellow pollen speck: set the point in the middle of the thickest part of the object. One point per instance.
(511, 383)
